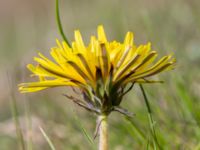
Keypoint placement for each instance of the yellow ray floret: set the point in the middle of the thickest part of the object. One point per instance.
(84, 65)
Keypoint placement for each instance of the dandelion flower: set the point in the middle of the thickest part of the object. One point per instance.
(102, 70)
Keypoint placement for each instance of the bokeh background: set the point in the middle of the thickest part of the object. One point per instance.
(173, 26)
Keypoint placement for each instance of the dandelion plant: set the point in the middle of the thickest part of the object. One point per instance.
(104, 71)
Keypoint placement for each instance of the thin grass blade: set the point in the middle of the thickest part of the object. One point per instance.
(151, 121)
(15, 114)
(60, 24)
(87, 136)
(47, 139)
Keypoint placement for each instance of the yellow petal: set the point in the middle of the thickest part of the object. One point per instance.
(28, 90)
(89, 66)
(59, 71)
(36, 86)
(104, 61)
(121, 72)
(128, 41)
(101, 34)
(146, 61)
(151, 72)
(79, 41)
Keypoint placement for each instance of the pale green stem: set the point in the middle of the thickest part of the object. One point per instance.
(103, 133)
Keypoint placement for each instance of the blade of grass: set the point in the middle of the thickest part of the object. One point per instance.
(148, 143)
(133, 127)
(151, 121)
(14, 110)
(80, 126)
(60, 24)
(47, 139)
(15, 114)
(29, 124)
(88, 137)
(190, 106)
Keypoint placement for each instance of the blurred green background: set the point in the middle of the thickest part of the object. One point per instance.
(173, 26)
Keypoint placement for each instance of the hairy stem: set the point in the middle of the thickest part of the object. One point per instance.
(103, 133)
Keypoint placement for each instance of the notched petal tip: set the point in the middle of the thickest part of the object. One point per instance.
(58, 43)
(79, 40)
(31, 67)
(128, 41)
(21, 87)
(101, 34)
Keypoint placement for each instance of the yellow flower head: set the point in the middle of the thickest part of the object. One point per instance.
(101, 69)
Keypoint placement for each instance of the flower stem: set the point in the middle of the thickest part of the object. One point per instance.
(103, 133)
